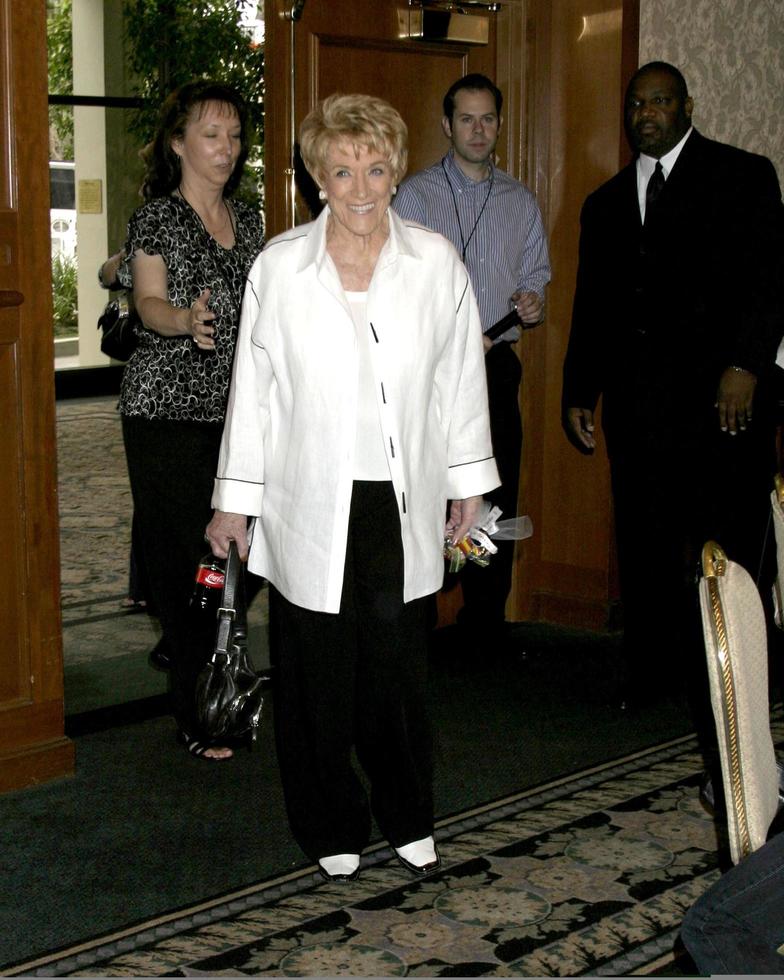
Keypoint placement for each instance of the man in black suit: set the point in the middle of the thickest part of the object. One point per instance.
(677, 317)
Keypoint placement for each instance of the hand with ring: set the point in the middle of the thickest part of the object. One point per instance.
(200, 322)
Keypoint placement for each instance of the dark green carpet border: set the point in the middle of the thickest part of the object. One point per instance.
(116, 716)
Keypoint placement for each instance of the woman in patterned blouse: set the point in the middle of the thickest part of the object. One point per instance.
(189, 249)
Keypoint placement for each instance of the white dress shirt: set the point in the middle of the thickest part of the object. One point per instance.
(646, 165)
(287, 455)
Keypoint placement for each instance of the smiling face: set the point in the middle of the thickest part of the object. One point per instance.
(211, 144)
(473, 130)
(658, 115)
(358, 183)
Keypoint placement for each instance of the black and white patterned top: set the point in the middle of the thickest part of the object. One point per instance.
(169, 377)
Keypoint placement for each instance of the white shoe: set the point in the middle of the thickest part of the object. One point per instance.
(339, 867)
(420, 857)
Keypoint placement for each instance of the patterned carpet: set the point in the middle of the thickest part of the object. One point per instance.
(588, 876)
(95, 504)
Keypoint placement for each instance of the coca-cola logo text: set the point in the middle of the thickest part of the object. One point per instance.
(211, 578)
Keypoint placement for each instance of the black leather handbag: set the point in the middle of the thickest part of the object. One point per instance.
(118, 323)
(229, 692)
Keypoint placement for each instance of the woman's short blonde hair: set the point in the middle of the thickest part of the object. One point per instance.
(362, 120)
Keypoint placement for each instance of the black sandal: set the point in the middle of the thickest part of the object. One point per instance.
(131, 605)
(197, 748)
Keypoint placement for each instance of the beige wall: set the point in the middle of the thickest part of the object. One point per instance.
(732, 54)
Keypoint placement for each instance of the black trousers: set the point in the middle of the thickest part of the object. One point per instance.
(669, 499)
(485, 590)
(171, 466)
(137, 575)
(355, 680)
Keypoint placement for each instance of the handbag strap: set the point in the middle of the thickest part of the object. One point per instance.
(232, 614)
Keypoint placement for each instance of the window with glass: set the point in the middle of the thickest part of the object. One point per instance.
(111, 63)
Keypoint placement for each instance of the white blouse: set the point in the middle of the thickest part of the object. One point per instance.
(287, 455)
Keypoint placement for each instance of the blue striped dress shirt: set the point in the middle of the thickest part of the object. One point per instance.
(494, 224)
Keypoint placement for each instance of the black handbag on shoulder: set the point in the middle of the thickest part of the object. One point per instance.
(229, 692)
(118, 323)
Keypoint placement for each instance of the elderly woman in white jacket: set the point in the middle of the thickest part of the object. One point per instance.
(356, 438)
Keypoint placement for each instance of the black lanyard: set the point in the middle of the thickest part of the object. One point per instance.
(463, 242)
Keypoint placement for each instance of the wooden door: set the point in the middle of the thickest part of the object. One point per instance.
(350, 46)
(32, 745)
(562, 66)
(584, 54)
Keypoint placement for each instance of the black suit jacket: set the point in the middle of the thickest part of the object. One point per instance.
(661, 311)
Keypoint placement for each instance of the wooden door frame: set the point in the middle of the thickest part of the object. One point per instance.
(33, 747)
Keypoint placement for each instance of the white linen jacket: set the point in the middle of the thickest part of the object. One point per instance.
(287, 455)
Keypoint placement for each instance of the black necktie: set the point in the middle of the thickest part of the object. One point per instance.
(654, 188)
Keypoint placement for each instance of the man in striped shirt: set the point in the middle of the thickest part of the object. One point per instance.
(495, 224)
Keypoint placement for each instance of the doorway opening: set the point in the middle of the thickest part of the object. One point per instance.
(111, 63)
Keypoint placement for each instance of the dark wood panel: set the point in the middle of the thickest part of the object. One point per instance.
(581, 48)
(36, 764)
(398, 72)
(14, 678)
(27, 723)
(9, 256)
(6, 146)
(569, 610)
